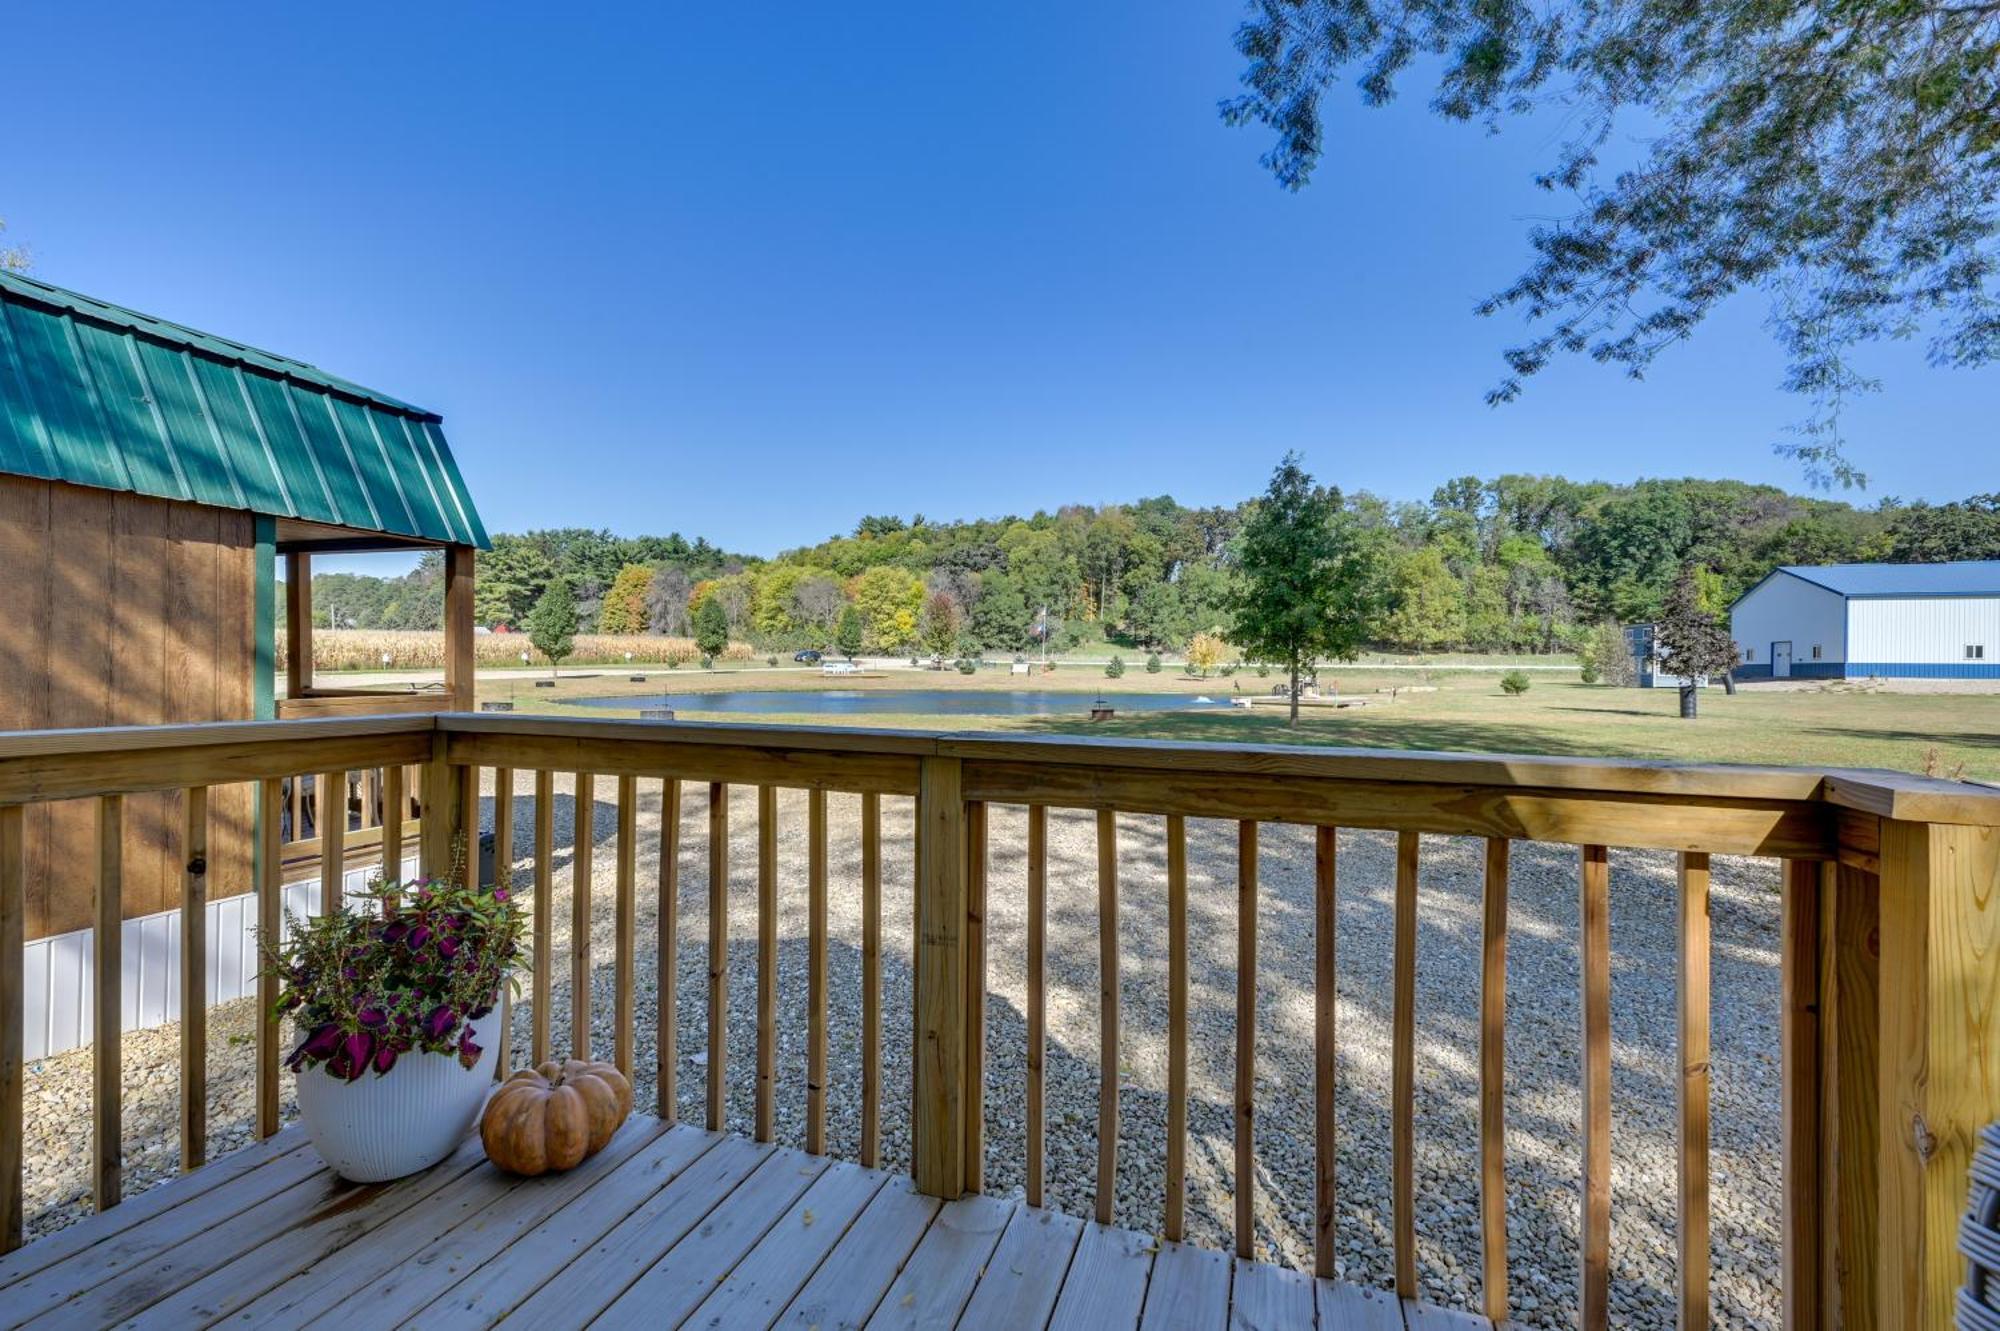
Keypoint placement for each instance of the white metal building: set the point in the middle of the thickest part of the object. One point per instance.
(1851, 621)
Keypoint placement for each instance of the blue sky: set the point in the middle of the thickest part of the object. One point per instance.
(750, 272)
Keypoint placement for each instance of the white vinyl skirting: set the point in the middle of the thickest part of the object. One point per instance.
(57, 972)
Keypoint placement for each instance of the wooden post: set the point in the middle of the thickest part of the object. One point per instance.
(13, 939)
(975, 997)
(270, 920)
(1799, 1080)
(298, 627)
(666, 1037)
(1940, 1055)
(624, 1019)
(1594, 914)
(1493, 1083)
(583, 849)
(937, 1116)
(1693, 1092)
(194, 983)
(459, 669)
(1850, 1106)
(107, 1063)
(442, 829)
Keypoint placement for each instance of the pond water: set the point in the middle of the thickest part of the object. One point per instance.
(907, 702)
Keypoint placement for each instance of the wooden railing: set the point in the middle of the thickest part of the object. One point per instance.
(1890, 931)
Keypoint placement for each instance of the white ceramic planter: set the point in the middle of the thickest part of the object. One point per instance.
(407, 1119)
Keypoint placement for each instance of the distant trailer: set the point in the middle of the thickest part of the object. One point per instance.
(1857, 621)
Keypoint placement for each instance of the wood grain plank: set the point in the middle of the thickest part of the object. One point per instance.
(1692, 1086)
(542, 985)
(1851, 1125)
(1595, 913)
(395, 815)
(938, 1078)
(1802, 1103)
(1263, 1297)
(850, 1283)
(503, 880)
(107, 1151)
(1493, 1082)
(1326, 1024)
(1189, 1290)
(1037, 1051)
(330, 800)
(672, 1287)
(583, 848)
(1106, 1286)
(1024, 1277)
(767, 960)
(1107, 1010)
(934, 1286)
(1175, 1222)
(818, 1016)
(13, 1015)
(871, 980)
(718, 953)
(483, 1294)
(1345, 1307)
(194, 982)
(773, 1273)
(1246, 1041)
(975, 997)
(270, 919)
(624, 1017)
(1403, 1093)
(666, 1034)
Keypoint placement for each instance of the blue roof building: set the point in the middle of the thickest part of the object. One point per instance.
(1854, 621)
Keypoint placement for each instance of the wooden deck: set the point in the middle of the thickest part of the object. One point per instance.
(668, 1226)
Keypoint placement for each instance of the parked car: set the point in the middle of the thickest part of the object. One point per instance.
(810, 656)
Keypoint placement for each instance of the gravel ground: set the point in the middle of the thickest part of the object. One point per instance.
(1543, 1061)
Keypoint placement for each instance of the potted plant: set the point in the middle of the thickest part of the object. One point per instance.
(395, 1005)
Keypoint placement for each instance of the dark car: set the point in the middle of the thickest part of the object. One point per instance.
(810, 656)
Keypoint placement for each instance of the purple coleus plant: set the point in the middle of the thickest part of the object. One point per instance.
(408, 971)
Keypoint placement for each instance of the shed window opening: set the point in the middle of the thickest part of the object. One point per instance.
(1749, 653)
(1815, 651)
(1975, 651)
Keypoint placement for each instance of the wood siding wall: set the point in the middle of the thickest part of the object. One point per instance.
(120, 609)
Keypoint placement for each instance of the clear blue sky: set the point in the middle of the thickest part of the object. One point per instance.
(752, 271)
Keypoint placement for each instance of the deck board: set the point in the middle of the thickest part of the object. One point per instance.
(667, 1226)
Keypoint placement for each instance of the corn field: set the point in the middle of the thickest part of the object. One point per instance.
(412, 649)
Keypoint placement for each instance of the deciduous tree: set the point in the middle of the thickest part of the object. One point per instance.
(1693, 641)
(552, 624)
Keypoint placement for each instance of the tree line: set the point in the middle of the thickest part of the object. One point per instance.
(1516, 563)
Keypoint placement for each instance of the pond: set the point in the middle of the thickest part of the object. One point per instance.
(908, 702)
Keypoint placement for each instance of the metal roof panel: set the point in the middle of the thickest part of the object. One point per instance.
(1965, 577)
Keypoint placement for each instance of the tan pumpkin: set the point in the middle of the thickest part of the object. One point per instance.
(555, 1116)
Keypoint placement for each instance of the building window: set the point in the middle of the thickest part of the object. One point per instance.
(1749, 653)
(1975, 651)
(1815, 651)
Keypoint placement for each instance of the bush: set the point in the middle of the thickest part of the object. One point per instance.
(1514, 683)
(1263, 669)
(1116, 667)
(770, 660)
(1153, 664)
(966, 665)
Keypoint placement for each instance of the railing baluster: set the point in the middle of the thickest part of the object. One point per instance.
(394, 808)
(13, 1014)
(1326, 1008)
(503, 877)
(270, 920)
(1595, 916)
(937, 1078)
(1038, 881)
(718, 950)
(1799, 1053)
(1403, 1092)
(544, 930)
(1246, 1038)
(871, 979)
(666, 1038)
(975, 996)
(624, 1012)
(1493, 1083)
(371, 792)
(331, 794)
(816, 999)
(583, 842)
(194, 982)
(107, 1116)
(1693, 1086)
(767, 959)
(1107, 992)
(1177, 1052)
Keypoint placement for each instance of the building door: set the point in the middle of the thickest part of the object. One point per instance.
(1781, 660)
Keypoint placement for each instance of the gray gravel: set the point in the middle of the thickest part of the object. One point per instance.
(1543, 1105)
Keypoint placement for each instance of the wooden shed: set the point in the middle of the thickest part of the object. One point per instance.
(151, 478)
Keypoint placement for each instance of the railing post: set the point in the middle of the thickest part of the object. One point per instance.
(447, 817)
(938, 1115)
(1940, 1055)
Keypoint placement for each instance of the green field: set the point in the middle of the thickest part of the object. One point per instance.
(1835, 726)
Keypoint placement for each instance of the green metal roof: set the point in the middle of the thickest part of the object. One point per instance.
(98, 395)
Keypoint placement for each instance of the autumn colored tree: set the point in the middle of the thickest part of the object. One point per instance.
(624, 606)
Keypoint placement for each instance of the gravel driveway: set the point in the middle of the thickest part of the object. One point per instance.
(1543, 1042)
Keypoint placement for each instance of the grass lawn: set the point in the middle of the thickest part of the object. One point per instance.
(1558, 715)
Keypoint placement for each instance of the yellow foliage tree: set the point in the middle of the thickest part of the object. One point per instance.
(1206, 651)
(624, 606)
